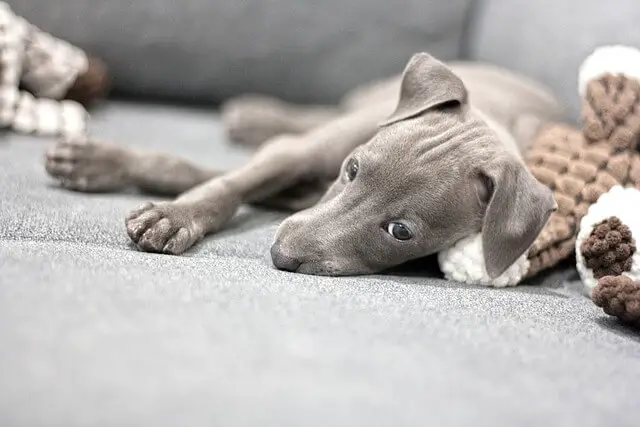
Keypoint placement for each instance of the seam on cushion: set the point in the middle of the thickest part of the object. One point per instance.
(474, 11)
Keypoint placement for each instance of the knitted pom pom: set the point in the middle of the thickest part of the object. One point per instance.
(619, 296)
(606, 242)
(464, 262)
(609, 249)
(609, 60)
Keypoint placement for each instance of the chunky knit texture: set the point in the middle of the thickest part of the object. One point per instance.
(621, 203)
(581, 166)
(37, 70)
(609, 249)
(619, 296)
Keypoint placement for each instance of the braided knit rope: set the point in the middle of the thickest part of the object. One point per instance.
(581, 166)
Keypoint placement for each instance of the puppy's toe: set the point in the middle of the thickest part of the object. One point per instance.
(61, 160)
(156, 236)
(75, 183)
(85, 166)
(179, 242)
(136, 212)
(66, 151)
(59, 168)
(167, 227)
(137, 226)
(68, 173)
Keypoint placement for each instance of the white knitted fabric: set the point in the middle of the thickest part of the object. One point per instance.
(13, 32)
(620, 202)
(609, 59)
(20, 110)
(464, 263)
(51, 65)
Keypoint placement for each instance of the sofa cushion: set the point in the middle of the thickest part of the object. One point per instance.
(94, 333)
(201, 50)
(548, 39)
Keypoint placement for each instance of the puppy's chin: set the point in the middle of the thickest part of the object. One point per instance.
(331, 268)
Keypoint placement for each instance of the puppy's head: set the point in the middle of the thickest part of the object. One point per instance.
(434, 173)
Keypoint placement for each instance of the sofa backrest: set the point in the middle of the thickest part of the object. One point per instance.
(549, 39)
(314, 51)
(208, 50)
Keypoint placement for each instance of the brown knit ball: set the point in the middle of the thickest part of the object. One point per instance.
(609, 111)
(619, 296)
(609, 248)
(92, 85)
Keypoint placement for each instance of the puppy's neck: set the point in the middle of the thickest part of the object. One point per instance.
(514, 139)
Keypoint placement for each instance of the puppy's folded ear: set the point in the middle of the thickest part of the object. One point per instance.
(426, 84)
(518, 208)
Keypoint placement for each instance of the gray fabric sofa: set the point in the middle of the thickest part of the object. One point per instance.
(95, 333)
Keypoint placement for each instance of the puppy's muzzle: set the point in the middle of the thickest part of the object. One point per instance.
(282, 261)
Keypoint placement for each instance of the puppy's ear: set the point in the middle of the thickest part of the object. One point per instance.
(518, 207)
(426, 84)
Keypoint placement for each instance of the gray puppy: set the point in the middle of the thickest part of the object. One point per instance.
(402, 169)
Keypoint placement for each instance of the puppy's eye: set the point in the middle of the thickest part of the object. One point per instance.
(399, 231)
(352, 169)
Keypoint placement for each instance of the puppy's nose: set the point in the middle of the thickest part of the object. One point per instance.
(281, 261)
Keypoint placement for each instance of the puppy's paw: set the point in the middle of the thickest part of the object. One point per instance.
(164, 227)
(253, 119)
(87, 166)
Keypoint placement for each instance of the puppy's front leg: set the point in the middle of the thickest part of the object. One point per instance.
(173, 227)
(92, 166)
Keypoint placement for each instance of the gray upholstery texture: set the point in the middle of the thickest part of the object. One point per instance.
(203, 50)
(549, 39)
(95, 333)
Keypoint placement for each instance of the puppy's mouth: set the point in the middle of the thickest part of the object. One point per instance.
(286, 262)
